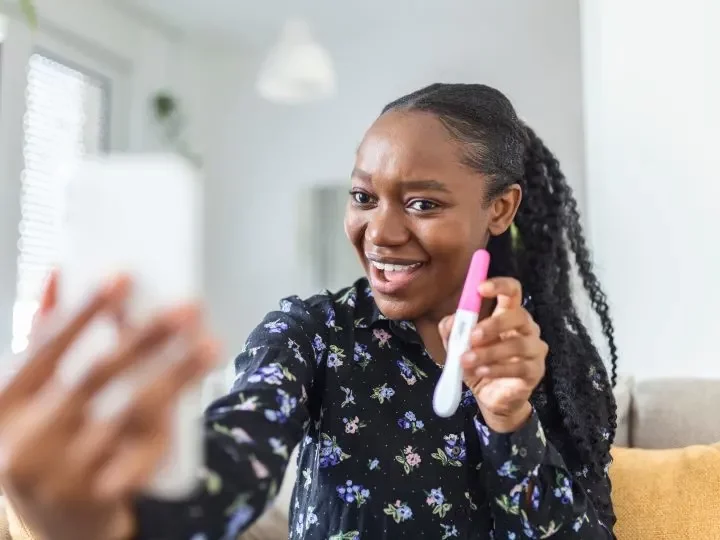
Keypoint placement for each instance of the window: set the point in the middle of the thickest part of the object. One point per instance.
(66, 118)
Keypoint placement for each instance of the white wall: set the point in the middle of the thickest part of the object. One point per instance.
(652, 81)
(270, 154)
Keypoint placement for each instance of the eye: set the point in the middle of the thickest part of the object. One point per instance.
(422, 205)
(360, 197)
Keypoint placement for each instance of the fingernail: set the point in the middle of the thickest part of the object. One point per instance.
(478, 333)
(485, 286)
(482, 371)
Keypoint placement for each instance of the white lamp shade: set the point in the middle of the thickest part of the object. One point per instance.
(297, 70)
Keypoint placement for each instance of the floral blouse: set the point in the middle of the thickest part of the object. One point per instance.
(355, 391)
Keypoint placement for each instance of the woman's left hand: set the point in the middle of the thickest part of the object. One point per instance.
(506, 360)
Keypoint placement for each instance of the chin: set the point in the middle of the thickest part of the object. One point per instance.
(398, 309)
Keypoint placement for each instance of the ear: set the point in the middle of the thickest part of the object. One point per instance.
(503, 210)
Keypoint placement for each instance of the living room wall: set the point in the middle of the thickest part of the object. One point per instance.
(652, 178)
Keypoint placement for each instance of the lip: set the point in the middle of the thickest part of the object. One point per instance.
(384, 286)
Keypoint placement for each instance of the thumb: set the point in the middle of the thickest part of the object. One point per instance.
(444, 327)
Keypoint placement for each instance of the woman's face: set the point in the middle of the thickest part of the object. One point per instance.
(416, 215)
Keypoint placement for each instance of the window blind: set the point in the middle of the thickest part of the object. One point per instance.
(65, 119)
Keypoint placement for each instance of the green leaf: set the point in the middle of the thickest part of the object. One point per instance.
(214, 483)
(29, 11)
(440, 456)
(515, 237)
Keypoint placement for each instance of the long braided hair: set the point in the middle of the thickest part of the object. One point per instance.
(575, 400)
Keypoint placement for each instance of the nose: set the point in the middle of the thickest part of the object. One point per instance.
(387, 228)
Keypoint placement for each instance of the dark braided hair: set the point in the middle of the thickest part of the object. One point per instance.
(575, 400)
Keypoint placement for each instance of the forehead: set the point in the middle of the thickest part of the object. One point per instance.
(409, 145)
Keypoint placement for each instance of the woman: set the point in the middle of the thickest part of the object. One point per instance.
(442, 172)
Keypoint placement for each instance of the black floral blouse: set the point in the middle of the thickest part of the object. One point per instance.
(355, 391)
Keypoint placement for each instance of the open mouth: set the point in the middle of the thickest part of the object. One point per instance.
(390, 276)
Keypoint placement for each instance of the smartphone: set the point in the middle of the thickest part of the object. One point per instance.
(141, 215)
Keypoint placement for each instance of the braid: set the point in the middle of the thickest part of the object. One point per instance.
(577, 243)
(575, 400)
(545, 187)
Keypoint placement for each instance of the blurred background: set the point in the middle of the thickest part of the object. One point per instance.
(270, 100)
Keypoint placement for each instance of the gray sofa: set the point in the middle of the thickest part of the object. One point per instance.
(667, 413)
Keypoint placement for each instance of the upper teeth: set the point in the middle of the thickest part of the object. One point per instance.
(394, 267)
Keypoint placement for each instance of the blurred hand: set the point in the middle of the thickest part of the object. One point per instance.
(506, 360)
(69, 475)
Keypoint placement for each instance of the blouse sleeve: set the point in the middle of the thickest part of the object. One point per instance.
(249, 434)
(532, 492)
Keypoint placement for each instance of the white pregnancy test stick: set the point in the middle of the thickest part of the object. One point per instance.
(449, 388)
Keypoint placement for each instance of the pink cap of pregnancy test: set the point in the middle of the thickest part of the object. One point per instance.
(471, 299)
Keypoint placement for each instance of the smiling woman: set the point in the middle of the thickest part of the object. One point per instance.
(350, 375)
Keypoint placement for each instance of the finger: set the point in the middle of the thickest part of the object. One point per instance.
(526, 370)
(114, 292)
(83, 457)
(43, 362)
(191, 369)
(147, 420)
(445, 327)
(30, 439)
(119, 455)
(158, 394)
(140, 346)
(133, 465)
(494, 327)
(502, 351)
(49, 296)
(507, 291)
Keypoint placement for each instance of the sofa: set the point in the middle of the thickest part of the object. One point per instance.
(666, 470)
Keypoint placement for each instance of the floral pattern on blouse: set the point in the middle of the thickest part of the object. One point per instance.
(354, 390)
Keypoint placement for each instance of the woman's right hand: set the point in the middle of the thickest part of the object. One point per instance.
(72, 476)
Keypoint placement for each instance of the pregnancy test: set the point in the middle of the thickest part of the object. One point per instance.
(449, 388)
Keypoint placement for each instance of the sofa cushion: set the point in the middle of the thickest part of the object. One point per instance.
(666, 494)
(623, 394)
(674, 413)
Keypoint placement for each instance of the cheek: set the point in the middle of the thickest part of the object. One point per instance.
(354, 226)
(452, 240)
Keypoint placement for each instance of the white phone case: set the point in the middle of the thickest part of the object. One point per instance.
(140, 215)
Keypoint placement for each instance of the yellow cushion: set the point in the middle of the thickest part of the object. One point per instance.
(666, 494)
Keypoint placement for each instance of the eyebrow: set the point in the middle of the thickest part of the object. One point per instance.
(416, 185)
